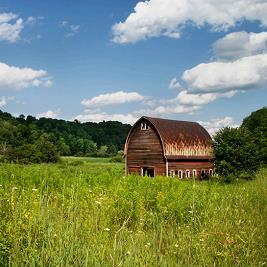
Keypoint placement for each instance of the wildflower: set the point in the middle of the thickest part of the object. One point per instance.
(128, 252)
(176, 245)
(90, 191)
(98, 202)
(106, 229)
(34, 189)
(14, 188)
(147, 244)
(0, 185)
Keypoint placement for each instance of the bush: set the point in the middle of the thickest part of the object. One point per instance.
(118, 158)
(43, 151)
(27, 153)
(236, 153)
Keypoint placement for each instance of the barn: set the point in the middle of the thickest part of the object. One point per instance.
(173, 148)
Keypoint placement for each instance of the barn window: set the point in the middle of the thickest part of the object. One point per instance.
(203, 173)
(144, 126)
(187, 173)
(211, 172)
(194, 173)
(180, 174)
(172, 173)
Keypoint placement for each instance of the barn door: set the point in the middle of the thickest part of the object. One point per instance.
(148, 171)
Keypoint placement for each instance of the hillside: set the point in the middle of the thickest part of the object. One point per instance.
(69, 137)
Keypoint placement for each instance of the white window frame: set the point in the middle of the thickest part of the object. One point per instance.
(144, 126)
(187, 173)
(172, 173)
(194, 173)
(211, 172)
(180, 174)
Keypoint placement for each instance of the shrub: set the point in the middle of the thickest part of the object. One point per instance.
(236, 153)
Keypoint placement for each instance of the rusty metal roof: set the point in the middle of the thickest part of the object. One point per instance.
(183, 139)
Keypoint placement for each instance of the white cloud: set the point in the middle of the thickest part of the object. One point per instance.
(71, 28)
(18, 78)
(119, 97)
(242, 74)
(167, 17)
(128, 118)
(215, 125)
(186, 98)
(3, 101)
(240, 44)
(10, 27)
(53, 114)
(63, 23)
(174, 84)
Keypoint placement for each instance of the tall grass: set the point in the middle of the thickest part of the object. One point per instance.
(91, 215)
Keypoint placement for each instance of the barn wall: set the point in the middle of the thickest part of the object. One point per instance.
(145, 150)
(193, 165)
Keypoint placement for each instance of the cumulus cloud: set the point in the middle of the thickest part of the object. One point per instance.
(174, 84)
(10, 27)
(18, 78)
(119, 97)
(128, 118)
(215, 125)
(167, 17)
(240, 44)
(53, 114)
(243, 74)
(3, 101)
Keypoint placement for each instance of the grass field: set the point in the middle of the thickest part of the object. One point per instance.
(89, 214)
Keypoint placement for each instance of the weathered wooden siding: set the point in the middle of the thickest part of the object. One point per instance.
(190, 166)
(145, 150)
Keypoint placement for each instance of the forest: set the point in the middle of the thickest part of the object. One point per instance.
(28, 139)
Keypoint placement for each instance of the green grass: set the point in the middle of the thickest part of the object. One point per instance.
(91, 215)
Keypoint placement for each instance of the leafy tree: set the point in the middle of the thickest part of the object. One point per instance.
(256, 123)
(112, 150)
(102, 152)
(27, 153)
(236, 152)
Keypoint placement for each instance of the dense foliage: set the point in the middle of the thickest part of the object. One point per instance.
(236, 152)
(239, 152)
(256, 123)
(42, 140)
(91, 215)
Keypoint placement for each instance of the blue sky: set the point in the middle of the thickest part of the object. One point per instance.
(198, 60)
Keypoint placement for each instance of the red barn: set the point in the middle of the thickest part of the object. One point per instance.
(168, 147)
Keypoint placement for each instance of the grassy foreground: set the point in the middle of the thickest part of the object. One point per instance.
(91, 215)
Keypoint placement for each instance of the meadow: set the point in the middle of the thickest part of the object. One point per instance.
(87, 213)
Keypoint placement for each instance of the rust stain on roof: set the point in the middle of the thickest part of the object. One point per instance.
(183, 138)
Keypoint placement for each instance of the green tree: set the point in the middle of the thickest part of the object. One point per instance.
(102, 152)
(47, 149)
(256, 123)
(112, 150)
(236, 152)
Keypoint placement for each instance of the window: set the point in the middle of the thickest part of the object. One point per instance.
(144, 126)
(194, 173)
(211, 172)
(187, 173)
(203, 174)
(172, 173)
(180, 174)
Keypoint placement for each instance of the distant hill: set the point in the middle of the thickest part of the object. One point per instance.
(70, 137)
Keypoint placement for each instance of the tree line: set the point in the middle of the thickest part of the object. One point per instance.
(28, 139)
